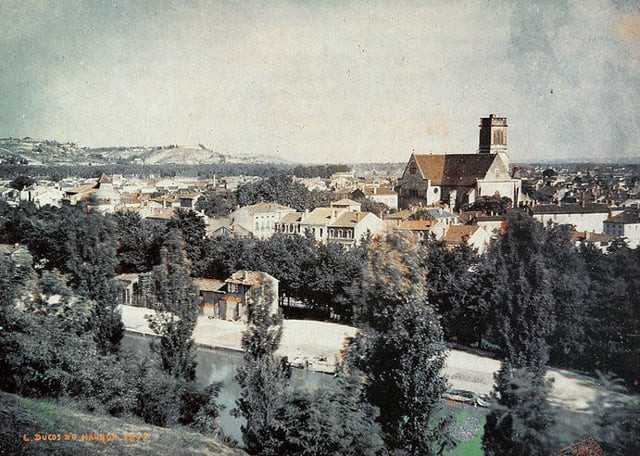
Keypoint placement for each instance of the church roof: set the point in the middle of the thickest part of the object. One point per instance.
(454, 169)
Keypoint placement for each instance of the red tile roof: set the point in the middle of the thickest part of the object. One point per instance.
(454, 169)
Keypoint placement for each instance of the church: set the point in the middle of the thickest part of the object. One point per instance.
(458, 179)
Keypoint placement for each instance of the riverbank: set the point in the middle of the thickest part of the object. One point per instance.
(317, 345)
(314, 345)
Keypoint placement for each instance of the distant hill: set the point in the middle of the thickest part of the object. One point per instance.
(46, 152)
(21, 419)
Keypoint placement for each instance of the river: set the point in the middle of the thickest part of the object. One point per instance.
(220, 366)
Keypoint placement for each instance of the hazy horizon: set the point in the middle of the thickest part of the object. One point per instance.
(352, 82)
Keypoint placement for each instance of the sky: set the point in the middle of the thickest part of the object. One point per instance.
(326, 81)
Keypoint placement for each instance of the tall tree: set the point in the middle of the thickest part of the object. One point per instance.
(399, 346)
(139, 242)
(192, 229)
(522, 304)
(91, 263)
(177, 306)
(569, 288)
(263, 376)
(522, 308)
(459, 286)
(520, 417)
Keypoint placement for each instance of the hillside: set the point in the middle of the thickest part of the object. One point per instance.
(22, 418)
(38, 152)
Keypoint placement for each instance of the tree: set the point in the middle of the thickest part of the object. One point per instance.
(491, 205)
(168, 393)
(217, 203)
(613, 305)
(21, 182)
(569, 289)
(522, 304)
(522, 308)
(14, 282)
(459, 287)
(91, 248)
(263, 377)
(283, 190)
(177, 306)
(399, 346)
(192, 229)
(617, 418)
(332, 421)
(520, 416)
(138, 243)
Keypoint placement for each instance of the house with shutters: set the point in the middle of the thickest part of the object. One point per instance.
(457, 179)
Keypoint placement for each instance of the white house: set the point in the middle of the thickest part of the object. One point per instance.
(349, 228)
(317, 222)
(382, 195)
(587, 217)
(260, 219)
(625, 225)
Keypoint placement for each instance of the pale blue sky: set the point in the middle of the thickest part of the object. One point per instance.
(325, 81)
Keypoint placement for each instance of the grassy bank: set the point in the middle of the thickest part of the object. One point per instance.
(37, 427)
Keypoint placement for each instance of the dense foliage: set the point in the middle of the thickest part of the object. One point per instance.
(534, 297)
(399, 347)
(85, 171)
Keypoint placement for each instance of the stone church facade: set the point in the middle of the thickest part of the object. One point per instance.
(457, 179)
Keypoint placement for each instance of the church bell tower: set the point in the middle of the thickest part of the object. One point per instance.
(493, 135)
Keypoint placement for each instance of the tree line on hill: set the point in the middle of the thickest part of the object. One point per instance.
(534, 295)
(205, 171)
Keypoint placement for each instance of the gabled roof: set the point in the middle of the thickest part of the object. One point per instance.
(81, 189)
(379, 191)
(190, 195)
(591, 237)
(244, 277)
(454, 169)
(208, 284)
(127, 277)
(319, 216)
(104, 179)
(400, 215)
(626, 218)
(416, 225)
(457, 233)
(293, 217)
(349, 219)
